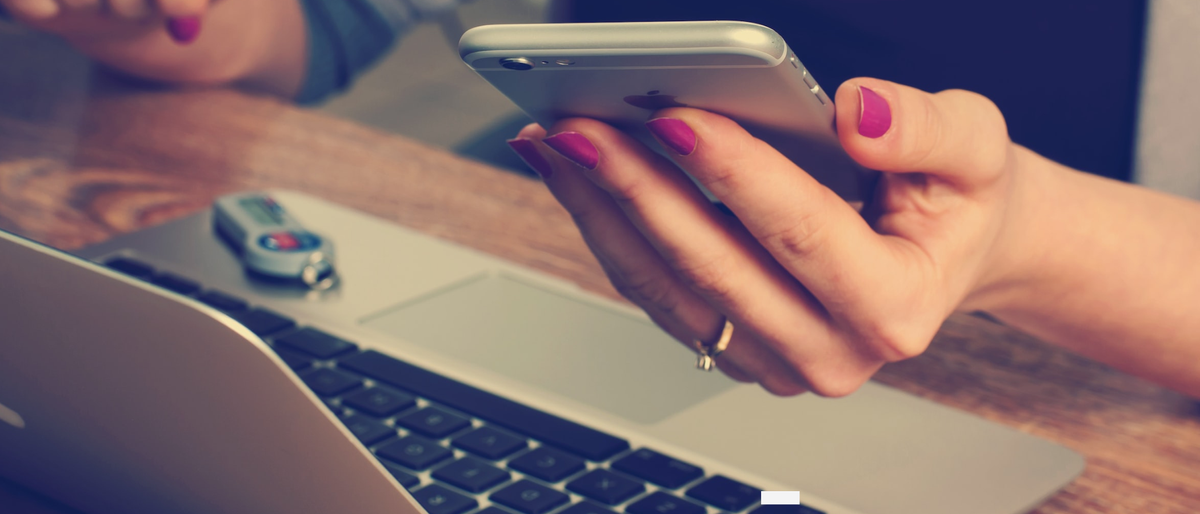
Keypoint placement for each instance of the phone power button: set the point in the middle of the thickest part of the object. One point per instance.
(815, 88)
(812, 84)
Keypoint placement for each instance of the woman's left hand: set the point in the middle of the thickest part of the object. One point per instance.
(820, 295)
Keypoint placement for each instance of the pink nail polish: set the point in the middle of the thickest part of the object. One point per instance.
(527, 151)
(576, 148)
(674, 133)
(875, 116)
(184, 30)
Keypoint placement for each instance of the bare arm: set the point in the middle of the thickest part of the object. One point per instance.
(1108, 270)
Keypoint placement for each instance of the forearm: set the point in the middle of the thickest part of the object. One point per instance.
(258, 44)
(1108, 270)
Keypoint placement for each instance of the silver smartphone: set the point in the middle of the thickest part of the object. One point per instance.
(620, 73)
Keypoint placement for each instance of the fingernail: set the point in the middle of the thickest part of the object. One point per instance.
(184, 30)
(528, 152)
(875, 116)
(674, 133)
(576, 148)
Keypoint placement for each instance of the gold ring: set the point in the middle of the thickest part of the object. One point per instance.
(708, 352)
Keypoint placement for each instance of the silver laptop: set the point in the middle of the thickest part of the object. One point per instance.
(434, 378)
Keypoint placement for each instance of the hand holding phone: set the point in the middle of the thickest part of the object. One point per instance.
(820, 296)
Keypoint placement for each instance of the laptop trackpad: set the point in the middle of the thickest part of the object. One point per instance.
(601, 357)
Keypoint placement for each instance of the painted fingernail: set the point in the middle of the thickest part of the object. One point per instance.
(527, 151)
(674, 133)
(184, 30)
(576, 148)
(875, 116)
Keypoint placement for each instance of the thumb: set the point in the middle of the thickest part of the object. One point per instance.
(955, 134)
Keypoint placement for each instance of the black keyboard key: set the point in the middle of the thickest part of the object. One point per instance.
(657, 468)
(176, 283)
(406, 479)
(439, 500)
(471, 474)
(263, 322)
(367, 430)
(573, 437)
(433, 422)
(331, 382)
(786, 509)
(547, 464)
(414, 452)
(379, 402)
(724, 493)
(222, 301)
(131, 267)
(316, 343)
(659, 502)
(490, 443)
(493, 510)
(606, 487)
(294, 360)
(529, 498)
(587, 508)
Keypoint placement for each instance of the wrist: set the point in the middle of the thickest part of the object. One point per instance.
(1023, 249)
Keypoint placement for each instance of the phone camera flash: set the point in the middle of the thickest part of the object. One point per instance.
(564, 62)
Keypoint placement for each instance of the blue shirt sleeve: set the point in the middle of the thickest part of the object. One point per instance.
(345, 37)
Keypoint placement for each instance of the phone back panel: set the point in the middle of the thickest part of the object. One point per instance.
(621, 73)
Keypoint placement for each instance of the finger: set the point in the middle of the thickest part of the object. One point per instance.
(958, 135)
(33, 10)
(695, 239)
(131, 9)
(745, 360)
(639, 273)
(636, 271)
(634, 268)
(758, 361)
(82, 6)
(182, 8)
(712, 253)
(805, 226)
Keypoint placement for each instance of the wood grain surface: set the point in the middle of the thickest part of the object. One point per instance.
(122, 157)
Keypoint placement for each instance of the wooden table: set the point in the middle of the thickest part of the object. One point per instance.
(130, 157)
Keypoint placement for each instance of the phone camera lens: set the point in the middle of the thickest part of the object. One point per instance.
(517, 63)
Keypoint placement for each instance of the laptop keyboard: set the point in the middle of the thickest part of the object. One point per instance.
(459, 449)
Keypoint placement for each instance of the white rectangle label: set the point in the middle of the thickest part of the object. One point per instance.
(780, 498)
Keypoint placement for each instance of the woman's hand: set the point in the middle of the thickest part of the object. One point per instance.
(257, 44)
(99, 20)
(820, 295)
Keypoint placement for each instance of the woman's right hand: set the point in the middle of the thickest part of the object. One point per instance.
(821, 296)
